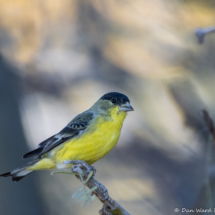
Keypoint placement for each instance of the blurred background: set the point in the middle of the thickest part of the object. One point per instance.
(58, 57)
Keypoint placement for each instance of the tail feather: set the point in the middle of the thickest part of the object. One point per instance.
(33, 153)
(5, 174)
(17, 174)
(20, 172)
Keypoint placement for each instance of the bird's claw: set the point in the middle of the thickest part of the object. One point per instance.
(92, 168)
(77, 169)
(80, 164)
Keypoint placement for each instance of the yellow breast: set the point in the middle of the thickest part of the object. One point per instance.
(99, 138)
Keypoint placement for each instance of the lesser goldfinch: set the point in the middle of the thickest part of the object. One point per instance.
(88, 137)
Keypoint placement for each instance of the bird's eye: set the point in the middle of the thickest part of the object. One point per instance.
(113, 100)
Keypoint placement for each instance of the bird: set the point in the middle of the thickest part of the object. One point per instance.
(88, 137)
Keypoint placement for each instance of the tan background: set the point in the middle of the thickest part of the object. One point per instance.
(64, 55)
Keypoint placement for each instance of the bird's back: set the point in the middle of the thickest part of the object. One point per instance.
(94, 143)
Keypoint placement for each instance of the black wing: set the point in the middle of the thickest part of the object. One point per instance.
(79, 123)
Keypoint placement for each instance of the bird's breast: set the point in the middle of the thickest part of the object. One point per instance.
(98, 139)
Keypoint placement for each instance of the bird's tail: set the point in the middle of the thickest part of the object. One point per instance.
(20, 172)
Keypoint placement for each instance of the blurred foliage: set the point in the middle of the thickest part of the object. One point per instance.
(68, 54)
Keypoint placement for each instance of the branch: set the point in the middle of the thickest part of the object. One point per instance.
(209, 123)
(205, 197)
(202, 32)
(110, 206)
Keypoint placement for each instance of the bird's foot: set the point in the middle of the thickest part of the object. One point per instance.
(78, 164)
(92, 168)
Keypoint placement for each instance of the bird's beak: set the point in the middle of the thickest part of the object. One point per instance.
(126, 107)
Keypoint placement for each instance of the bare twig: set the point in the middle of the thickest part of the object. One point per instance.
(201, 32)
(209, 123)
(206, 195)
(110, 206)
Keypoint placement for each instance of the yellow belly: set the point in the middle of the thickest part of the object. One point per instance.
(95, 143)
(99, 138)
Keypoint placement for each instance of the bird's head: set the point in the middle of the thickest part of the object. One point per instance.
(114, 100)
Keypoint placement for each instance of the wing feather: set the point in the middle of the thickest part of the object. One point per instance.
(79, 123)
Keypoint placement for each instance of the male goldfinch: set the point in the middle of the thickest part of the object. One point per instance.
(88, 137)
